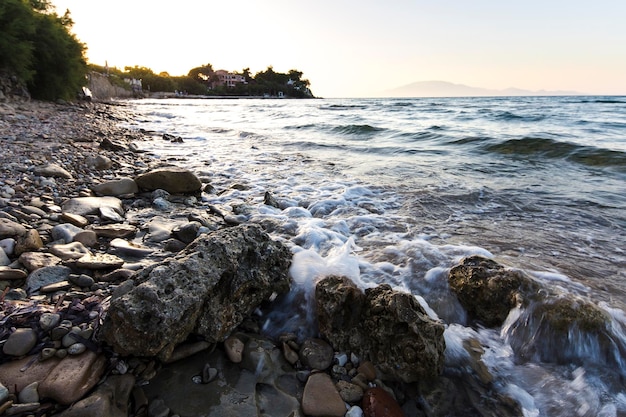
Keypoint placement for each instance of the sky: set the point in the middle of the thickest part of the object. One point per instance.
(350, 48)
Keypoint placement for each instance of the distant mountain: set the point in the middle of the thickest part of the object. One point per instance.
(447, 89)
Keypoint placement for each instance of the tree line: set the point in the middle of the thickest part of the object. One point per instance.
(36, 46)
(204, 80)
(39, 50)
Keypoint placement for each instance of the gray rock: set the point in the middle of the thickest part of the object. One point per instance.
(208, 289)
(389, 327)
(65, 232)
(172, 179)
(84, 206)
(316, 354)
(4, 259)
(35, 260)
(4, 393)
(52, 170)
(49, 320)
(30, 241)
(99, 261)
(8, 244)
(20, 342)
(29, 393)
(82, 280)
(187, 233)
(74, 250)
(46, 276)
(116, 188)
(99, 162)
(114, 230)
(129, 248)
(110, 214)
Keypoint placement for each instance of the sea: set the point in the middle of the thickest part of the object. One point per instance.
(398, 191)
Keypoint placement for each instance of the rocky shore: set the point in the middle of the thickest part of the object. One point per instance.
(123, 294)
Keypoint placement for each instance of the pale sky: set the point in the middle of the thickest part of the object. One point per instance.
(350, 48)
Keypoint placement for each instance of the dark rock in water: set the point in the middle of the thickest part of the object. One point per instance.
(389, 327)
(187, 233)
(110, 399)
(316, 354)
(172, 179)
(566, 329)
(207, 289)
(488, 290)
(378, 403)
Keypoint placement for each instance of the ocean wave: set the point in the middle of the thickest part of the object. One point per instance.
(358, 129)
(550, 148)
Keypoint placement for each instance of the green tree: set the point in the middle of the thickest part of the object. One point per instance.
(58, 59)
(17, 26)
(203, 74)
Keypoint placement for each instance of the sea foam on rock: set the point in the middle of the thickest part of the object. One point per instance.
(208, 290)
(389, 327)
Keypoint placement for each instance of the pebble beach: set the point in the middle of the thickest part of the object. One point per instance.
(79, 218)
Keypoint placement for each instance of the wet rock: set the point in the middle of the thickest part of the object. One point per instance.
(53, 170)
(316, 354)
(187, 233)
(378, 403)
(30, 241)
(35, 260)
(172, 179)
(8, 273)
(355, 411)
(91, 205)
(321, 398)
(234, 348)
(389, 327)
(350, 393)
(46, 276)
(17, 374)
(111, 399)
(486, 289)
(74, 250)
(208, 289)
(73, 377)
(122, 186)
(20, 342)
(47, 321)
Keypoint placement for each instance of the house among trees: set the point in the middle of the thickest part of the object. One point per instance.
(229, 79)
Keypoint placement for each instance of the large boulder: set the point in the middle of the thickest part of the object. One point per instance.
(208, 290)
(488, 290)
(390, 328)
(171, 179)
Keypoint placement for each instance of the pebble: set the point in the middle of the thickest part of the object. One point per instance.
(29, 393)
(355, 411)
(8, 273)
(36, 260)
(350, 393)
(379, 403)
(157, 408)
(320, 397)
(52, 170)
(9, 228)
(110, 214)
(73, 250)
(30, 241)
(130, 248)
(4, 259)
(20, 342)
(114, 230)
(8, 245)
(75, 219)
(82, 280)
(368, 370)
(47, 321)
(99, 261)
(316, 354)
(188, 232)
(4, 393)
(92, 205)
(88, 238)
(116, 188)
(234, 349)
(76, 349)
(65, 232)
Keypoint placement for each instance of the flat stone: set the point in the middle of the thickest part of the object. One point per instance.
(65, 232)
(82, 280)
(7, 273)
(114, 230)
(91, 205)
(174, 180)
(29, 242)
(17, 374)
(57, 286)
(34, 210)
(110, 214)
(46, 276)
(115, 188)
(20, 342)
(71, 379)
(99, 261)
(88, 238)
(73, 250)
(130, 248)
(35, 260)
(110, 399)
(75, 219)
(52, 170)
(321, 398)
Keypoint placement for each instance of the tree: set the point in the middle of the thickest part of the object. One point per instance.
(203, 74)
(17, 26)
(58, 59)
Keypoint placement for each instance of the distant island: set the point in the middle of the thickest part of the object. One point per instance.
(448, 89)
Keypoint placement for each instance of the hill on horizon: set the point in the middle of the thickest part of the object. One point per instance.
(448, 89)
